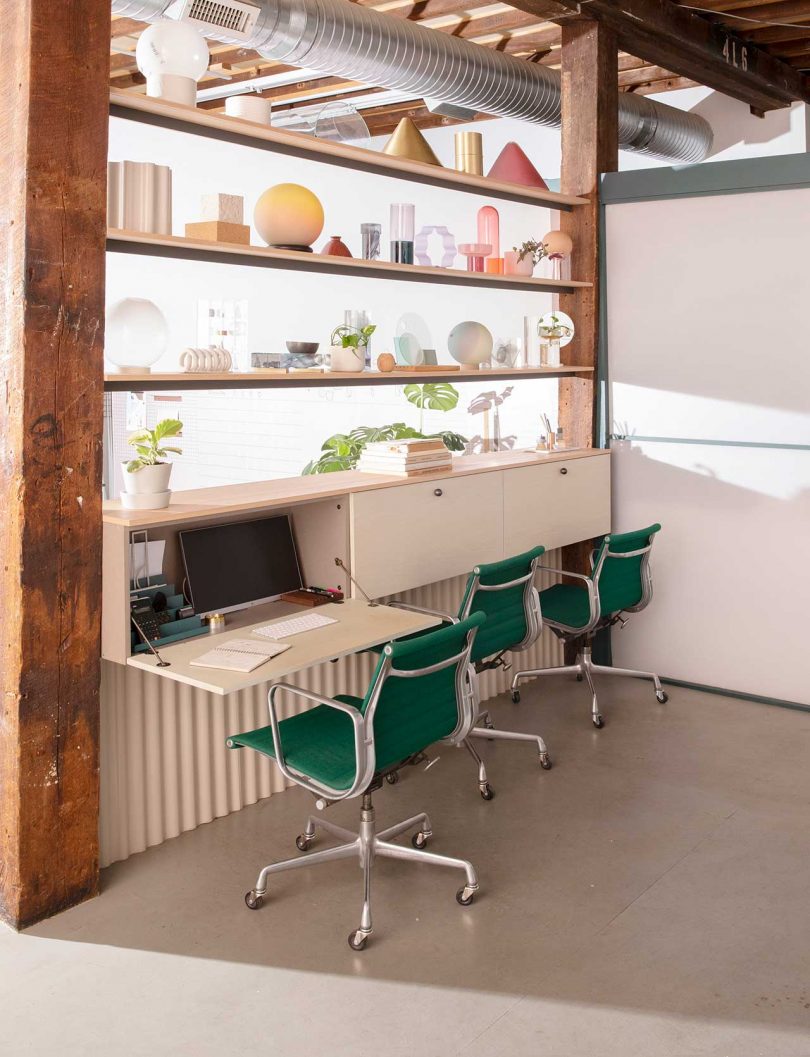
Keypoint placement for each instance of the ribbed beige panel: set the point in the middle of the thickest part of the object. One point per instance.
(164, 765)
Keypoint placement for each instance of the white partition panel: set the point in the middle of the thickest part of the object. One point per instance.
(709, 378)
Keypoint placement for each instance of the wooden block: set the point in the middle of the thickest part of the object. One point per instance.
(227, 209)
(219, 231)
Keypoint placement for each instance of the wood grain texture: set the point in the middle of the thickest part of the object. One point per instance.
(590, 143)
(53, 164)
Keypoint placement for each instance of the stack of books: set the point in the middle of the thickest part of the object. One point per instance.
(406, 458)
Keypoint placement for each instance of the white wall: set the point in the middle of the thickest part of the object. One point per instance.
(708, 338)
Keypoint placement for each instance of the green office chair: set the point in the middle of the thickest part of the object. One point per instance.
(504, 591)
(422, 691)
(620, 582)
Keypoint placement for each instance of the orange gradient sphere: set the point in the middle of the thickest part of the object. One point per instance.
(289, 215)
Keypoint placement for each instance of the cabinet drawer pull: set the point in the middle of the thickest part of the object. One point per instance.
(564, 469)
(438, 492)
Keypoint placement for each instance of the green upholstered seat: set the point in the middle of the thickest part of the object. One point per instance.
(566, 604)
(411, 714)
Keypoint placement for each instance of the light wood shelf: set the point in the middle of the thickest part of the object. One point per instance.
(177, 247)
(155, 382)
(182, 118)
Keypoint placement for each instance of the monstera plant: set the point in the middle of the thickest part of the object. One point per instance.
(342, 450)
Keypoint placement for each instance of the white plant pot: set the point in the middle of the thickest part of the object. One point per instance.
(348, 359)
(149, 480)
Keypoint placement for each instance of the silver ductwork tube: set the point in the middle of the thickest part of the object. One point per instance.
(338, 37)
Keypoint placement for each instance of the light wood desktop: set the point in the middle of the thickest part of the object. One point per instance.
(358, 627)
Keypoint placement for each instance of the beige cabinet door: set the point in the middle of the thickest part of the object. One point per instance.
(556, 503)
(416, 534)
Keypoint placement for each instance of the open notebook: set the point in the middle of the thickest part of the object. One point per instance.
(240, 655)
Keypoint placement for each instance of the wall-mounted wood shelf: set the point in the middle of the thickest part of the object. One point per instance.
(176, 247)
(248, 133)
(157, 382)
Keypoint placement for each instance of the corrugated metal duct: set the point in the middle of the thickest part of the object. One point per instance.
(341, 38)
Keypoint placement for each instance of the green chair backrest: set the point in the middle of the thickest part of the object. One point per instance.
(624, 583)
(504, 591)
(421, 691)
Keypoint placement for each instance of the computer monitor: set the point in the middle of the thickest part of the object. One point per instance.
(240, 564)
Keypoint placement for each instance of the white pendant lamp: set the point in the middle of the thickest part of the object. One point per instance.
(172, 56)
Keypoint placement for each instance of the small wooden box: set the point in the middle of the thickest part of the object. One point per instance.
(219, 231)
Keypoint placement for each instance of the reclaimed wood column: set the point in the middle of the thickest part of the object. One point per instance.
(590, 146)
(53, 159)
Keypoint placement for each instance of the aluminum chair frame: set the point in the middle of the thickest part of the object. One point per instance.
(367, 843)
(584, 667)
(534, 627)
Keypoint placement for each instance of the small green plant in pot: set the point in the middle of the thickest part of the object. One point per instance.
(147, 475)
(349, 346)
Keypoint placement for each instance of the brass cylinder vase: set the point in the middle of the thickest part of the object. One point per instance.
(470, 153)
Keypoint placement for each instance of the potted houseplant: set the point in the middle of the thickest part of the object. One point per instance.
(349, 347)
(525, 257)
(146, 476)
(551, 330)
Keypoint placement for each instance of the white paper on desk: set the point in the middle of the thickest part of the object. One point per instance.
(147, 560)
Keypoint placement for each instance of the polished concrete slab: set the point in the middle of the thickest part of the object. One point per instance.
(646, 896)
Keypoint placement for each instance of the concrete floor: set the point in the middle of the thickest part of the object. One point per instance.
(648, 896)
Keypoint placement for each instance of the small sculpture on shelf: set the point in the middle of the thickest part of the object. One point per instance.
(483, 404)
(403, 222)
(336, 247)
(513, 166)
(371, 235)
(214, 359)
(137, 335)
(489, 233)
(289, 217)
(449, 250)
(222, 220)
(408, 142)
(470, 343)
(558, 246)
(469, 153)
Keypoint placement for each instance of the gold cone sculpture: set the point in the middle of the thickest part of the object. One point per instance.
(408, 142)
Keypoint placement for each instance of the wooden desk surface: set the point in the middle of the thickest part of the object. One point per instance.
(358, 627)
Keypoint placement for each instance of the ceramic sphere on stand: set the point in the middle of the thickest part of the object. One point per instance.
(289, 217)
(470, 343)
(137, 335)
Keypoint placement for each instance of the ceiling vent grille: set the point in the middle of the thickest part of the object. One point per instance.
(233, 17)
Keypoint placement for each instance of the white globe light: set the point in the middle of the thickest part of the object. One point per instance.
(137, 335)
(172, 56)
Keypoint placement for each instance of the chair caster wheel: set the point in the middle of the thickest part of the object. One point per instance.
(465, 896)
(252, 900)
(488, 724)
(662, 696)
(598, 722)
(579, 677)
(419, 840)
(302, 842)
(358, 941)
(392, 779)
(516, 697)
(545, 761)
(487, 792)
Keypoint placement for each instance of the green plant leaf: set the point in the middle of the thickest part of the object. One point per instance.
(140, 436)
(134, 465)
(169, 427)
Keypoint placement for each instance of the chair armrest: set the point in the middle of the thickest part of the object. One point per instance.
(360, 750)
(564, 572)
(396, 604)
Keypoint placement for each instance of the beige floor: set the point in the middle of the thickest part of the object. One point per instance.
(648, 896)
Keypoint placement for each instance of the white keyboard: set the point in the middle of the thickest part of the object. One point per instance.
(284, 629)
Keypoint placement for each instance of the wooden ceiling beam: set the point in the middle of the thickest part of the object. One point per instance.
(691, 46)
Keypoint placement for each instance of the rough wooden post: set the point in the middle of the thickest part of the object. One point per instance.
(53, 147)
(590, 146)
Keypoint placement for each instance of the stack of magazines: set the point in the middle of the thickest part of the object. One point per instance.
(406, 458)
